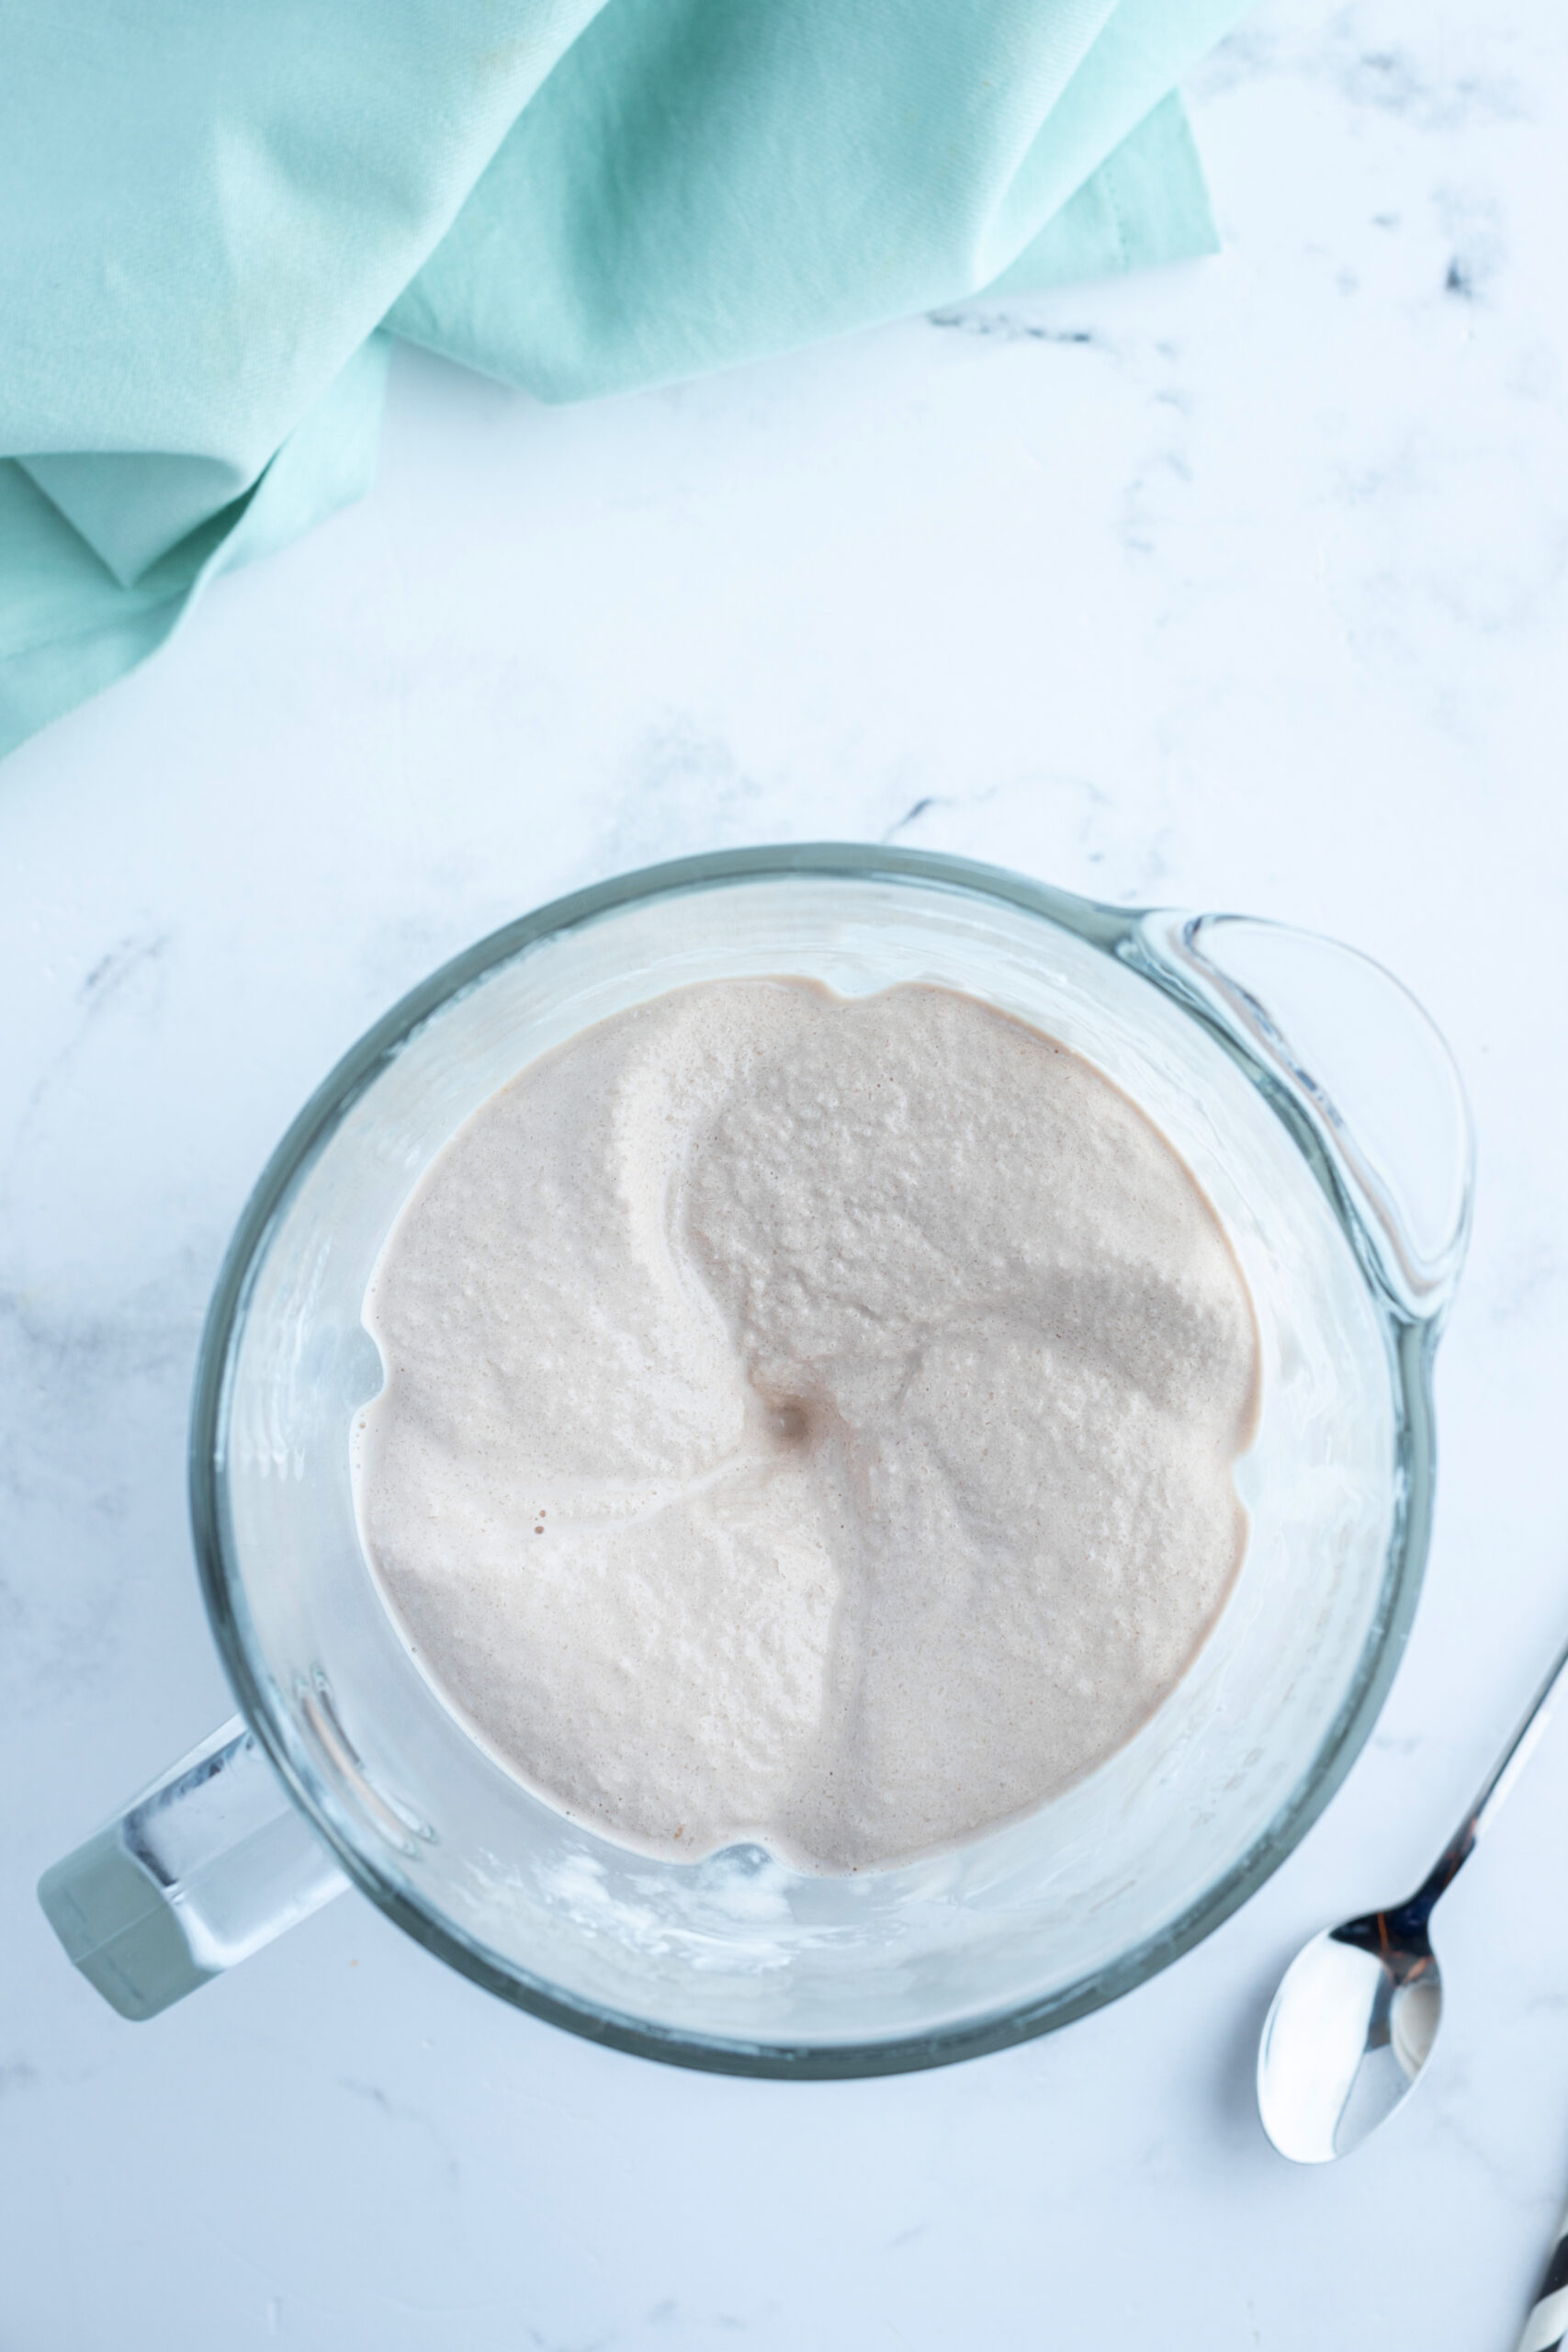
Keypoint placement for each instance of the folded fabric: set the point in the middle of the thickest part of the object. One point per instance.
(212, 212)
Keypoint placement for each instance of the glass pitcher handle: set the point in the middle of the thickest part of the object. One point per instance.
(208, 1864)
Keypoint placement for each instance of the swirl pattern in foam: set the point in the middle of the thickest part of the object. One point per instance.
(806, 1418)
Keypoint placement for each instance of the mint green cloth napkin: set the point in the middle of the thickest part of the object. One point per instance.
(216, 219)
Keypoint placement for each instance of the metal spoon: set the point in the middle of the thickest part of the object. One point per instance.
(1356, 2012)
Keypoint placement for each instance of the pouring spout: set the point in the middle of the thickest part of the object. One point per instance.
(1359, 1072)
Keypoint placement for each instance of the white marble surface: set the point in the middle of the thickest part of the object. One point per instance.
(1240, 585)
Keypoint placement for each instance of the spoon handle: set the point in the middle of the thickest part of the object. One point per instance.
(1548, 2321)
(1495, 1788)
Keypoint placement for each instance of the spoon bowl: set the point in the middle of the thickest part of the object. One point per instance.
(1358, 2010)
(1348, 2033)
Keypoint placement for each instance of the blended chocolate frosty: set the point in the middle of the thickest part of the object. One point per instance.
(806, 1419)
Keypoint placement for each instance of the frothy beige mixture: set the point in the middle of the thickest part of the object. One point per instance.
(807, 1420)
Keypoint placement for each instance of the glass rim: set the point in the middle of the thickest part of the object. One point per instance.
(1113, 930)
